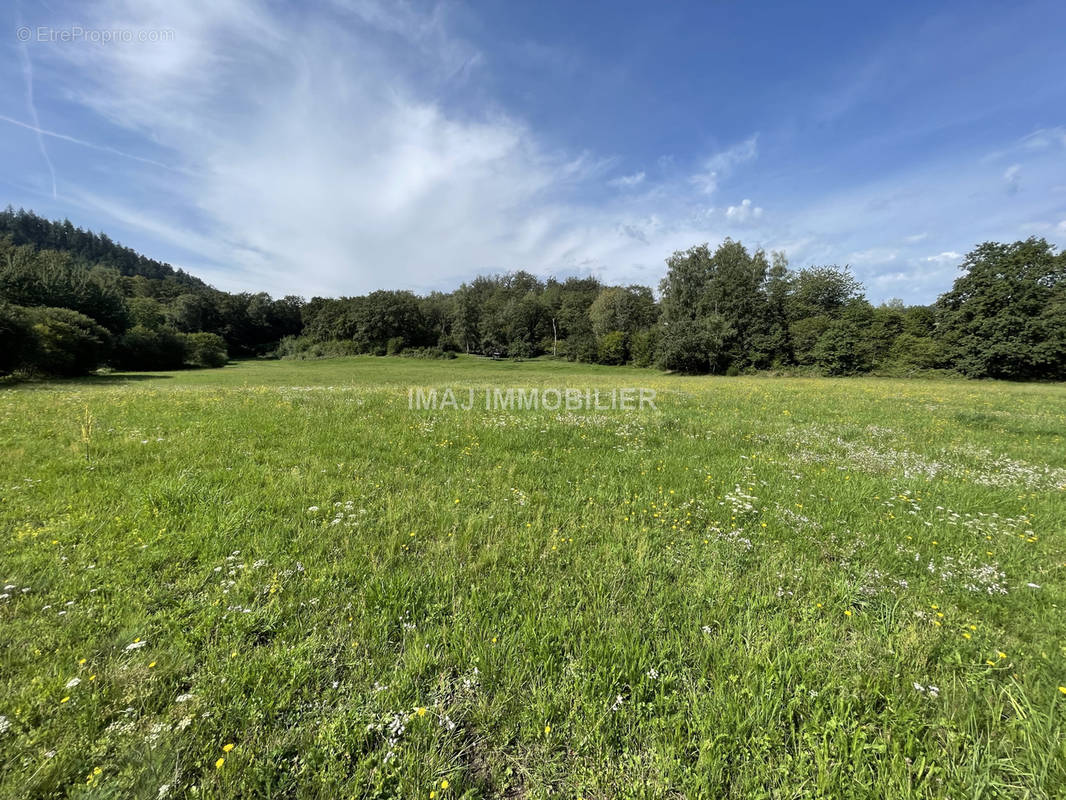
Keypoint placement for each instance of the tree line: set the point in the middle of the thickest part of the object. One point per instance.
(72, 301)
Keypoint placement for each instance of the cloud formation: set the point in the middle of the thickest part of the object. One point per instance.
(359, 145)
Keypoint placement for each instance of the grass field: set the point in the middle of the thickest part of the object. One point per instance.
(278, 580)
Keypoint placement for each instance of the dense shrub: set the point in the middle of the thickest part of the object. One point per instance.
(142, 348)
(17, 340)
(613, 348)
(67, 343)
(205, 350)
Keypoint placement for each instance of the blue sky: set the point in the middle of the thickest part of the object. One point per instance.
(338, 147)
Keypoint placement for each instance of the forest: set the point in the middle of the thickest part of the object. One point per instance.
(74, 301)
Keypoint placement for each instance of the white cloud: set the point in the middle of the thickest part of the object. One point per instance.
(342, 151)
(876, 255)
(628, 181)
(1061, 228)
(745, 212)
(1011, 176)
(720, 165)
(1044, 138)
(947, 257)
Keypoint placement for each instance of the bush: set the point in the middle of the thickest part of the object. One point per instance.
(642, 346)
(612, 348)
(580, 347)
(17, 342)
(394, 346)
(205, 350)
(67, 343)
(842, 350)
(914, 352)
(693, 346)
(427, 352)
(142, 348)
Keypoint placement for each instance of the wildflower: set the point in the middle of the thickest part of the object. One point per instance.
(219, 763)
(1001, 654)
(847, 612)
(547, 729)
(421, 711)
(136, 644)
(150, 666)
(73, 682)
(65, 699)
(227, 748)
(1061, 689)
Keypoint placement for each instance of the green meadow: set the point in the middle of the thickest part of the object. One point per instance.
(277, 579)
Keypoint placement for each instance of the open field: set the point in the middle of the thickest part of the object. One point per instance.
(764, 587)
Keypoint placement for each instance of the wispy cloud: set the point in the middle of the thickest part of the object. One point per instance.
(360, 146)
(627, 181)
(1012, 177)
(721, 164)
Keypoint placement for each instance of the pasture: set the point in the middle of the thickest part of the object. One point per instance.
(277, 579)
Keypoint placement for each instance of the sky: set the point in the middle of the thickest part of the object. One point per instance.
(342, 146)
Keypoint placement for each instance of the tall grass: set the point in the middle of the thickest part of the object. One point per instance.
(779, 588)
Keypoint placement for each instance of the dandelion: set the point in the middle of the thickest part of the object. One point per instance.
(421, 711)
(1001, 654)
(150, 666)
(547, 729)
(444, 784)
(847, 612)
(219, 763)
(1061, 689)
(227, 748)
(65, 699)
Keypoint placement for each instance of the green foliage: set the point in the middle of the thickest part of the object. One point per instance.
(1006, 317)
(721, 309)
(30, 278)
(915, 352)
(693, 346)
(804, 334)
(629, 309)
(613, 348)
(66, 342)
(17, 340)
(145, 348)
(205, 350)
(643, 345)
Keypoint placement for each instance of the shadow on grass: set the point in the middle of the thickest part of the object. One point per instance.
(12, 382)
